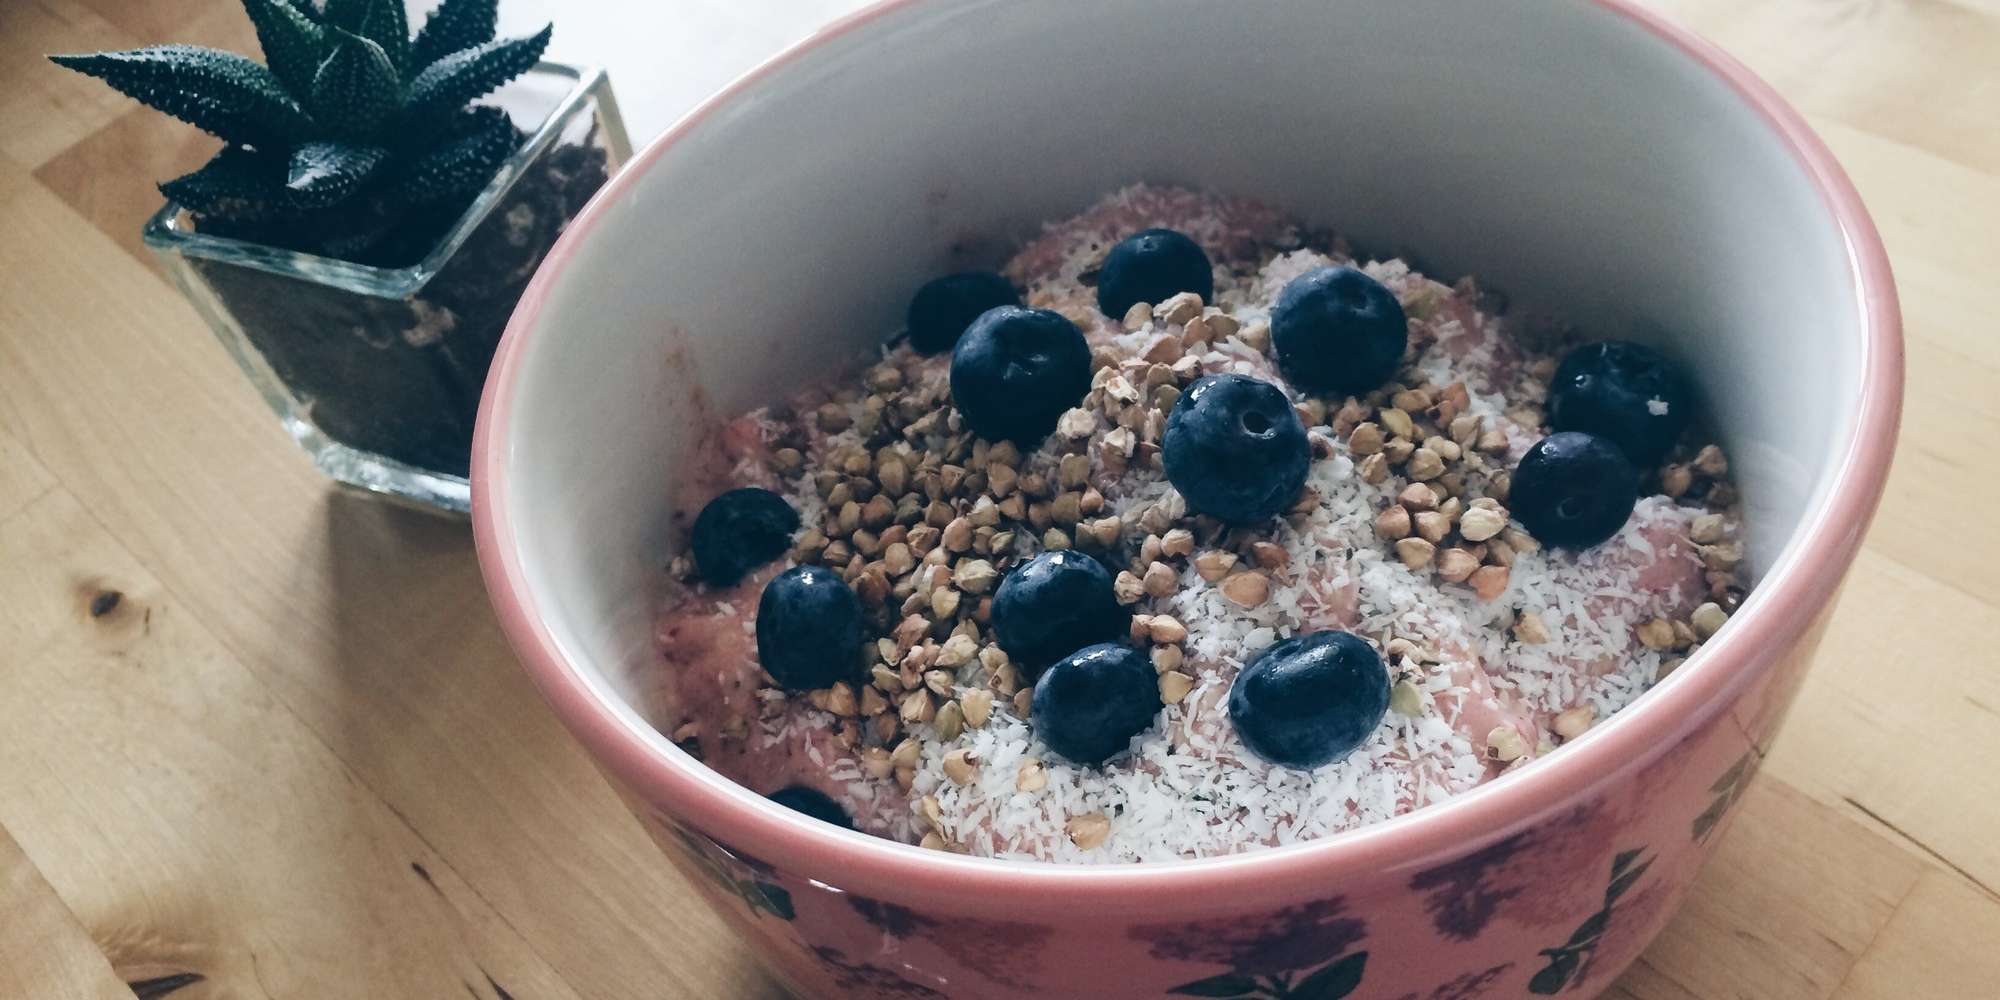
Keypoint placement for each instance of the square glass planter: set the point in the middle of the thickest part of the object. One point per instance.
(376, 371)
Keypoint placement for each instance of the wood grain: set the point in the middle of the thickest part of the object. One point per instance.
(1941, 222)
(294, 758)
(22, 479)
(190, 821)
(43, 107)
(367, 621)
(44, 952)
(1943, 928)
(1744, 932)
(1913, 71)
(152, 145)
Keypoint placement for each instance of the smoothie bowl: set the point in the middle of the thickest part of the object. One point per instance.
(1188, 499)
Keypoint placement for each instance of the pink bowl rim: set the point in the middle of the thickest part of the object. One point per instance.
(1775, 617)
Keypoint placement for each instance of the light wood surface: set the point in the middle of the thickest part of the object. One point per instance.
(291, 757)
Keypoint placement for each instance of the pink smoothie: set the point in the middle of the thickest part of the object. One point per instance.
(1189, 788)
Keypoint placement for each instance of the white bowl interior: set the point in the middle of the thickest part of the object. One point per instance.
(1559, 151)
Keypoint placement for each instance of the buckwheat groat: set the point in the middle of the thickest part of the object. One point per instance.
(1212, 535)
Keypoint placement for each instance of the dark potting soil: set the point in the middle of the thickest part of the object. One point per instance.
(401, 377)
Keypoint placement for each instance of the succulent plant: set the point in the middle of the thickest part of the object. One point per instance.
(352, 139)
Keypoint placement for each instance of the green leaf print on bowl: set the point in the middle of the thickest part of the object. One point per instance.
(1570, 962)
(1727, 789)
(1331, 981)
(739, 877)
(1302, 952)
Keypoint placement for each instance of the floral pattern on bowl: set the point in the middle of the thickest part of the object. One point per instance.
(1573, 929)
(1302, 953)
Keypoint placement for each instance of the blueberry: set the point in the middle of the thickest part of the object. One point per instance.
(1235, 448)
(1337, 330)
(814, 803)
(1573, 489)
(1150, 266)
(809, 629)
(1625, 393)
(1053, 605)
(740, 531)
(944, 307)
(1090, 704)
(1016, 370)
(1311, 699)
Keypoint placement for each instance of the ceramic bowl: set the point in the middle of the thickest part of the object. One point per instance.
(1587, 156)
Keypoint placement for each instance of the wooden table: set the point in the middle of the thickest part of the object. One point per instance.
(258, 738)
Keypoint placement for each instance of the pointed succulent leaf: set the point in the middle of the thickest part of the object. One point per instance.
(380, 21)
(218, 92)
(344, 14)
(293, 43)
(460, 167)
(385, 23)
(235, 183)
(448, 84)
(355, 90)
(454, 26)
(324, 173)
(306, 7)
